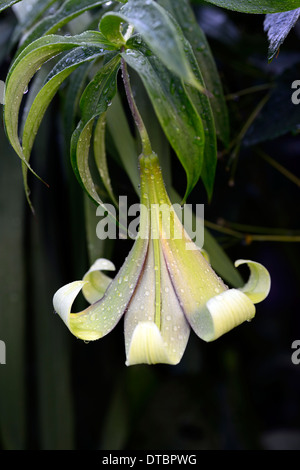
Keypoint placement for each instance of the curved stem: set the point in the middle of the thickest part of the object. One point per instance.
(147, 150)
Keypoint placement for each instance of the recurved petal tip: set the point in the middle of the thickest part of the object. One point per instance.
(228, 310)
(259, 284)
(64, 298)
(147, 346)
(97, 281)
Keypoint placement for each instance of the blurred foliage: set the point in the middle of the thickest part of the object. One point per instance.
(241, 392)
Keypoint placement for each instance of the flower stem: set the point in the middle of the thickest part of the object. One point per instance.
(146, 145)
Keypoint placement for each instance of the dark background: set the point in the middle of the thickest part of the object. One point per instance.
(240, 392)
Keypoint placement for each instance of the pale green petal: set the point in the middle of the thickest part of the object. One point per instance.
(229, 309)
(258, 286)
(209, 306)
(147, 346)
(145, 341)
(101, 317)
(63, 300)
(194, 280)
(222, 313)
(97, 282)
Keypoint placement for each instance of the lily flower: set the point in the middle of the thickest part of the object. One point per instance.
(165, 288)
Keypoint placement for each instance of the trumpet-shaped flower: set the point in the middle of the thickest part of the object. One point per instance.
(165, 288)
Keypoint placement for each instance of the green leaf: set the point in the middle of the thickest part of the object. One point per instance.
(23, 69)
(124, 142)
(50, 44)
(71, 98)
(156, 28)
(61, 71)
(256, 6)
(7, 4)
(175, 111)
(203, 107)
(100, 155)
(278, 26)
(95, 101)
(110, 27)
(69, 10)
(184, 15)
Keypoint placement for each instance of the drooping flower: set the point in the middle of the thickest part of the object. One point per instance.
(165, 288)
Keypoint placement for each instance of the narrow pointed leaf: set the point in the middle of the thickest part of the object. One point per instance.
(100, 155)
(69, 10)
(54, 44)
(70, 104)
(80, 151)
(256, 6)
(156, 28)
(202, 105)
(24, 68)
(183, 13)
(38, 108)
(124, 142)
(94, 103)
